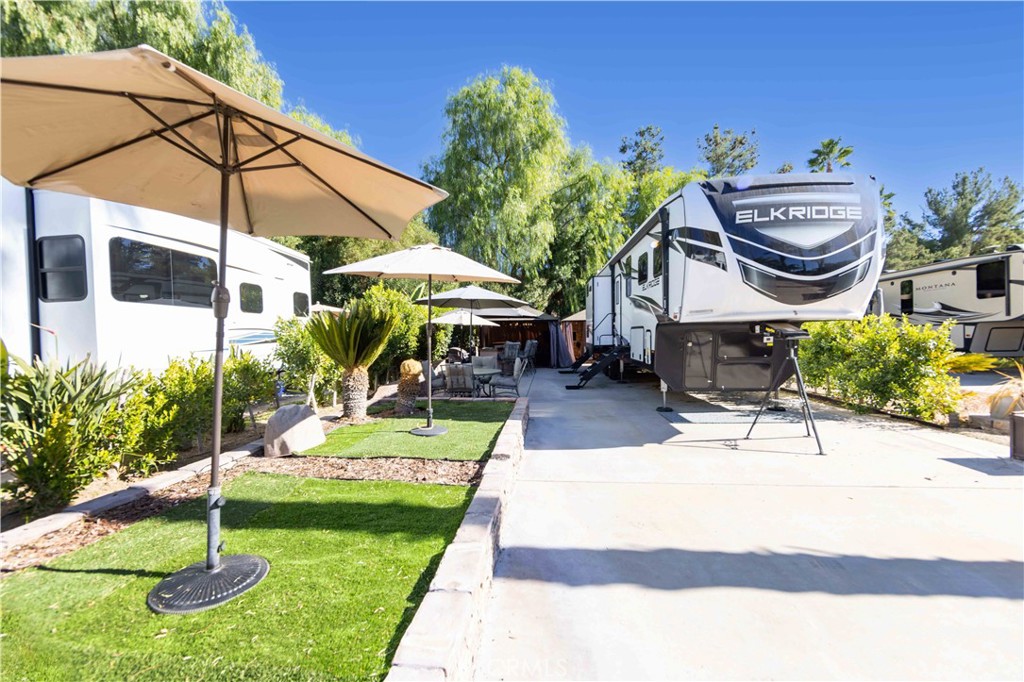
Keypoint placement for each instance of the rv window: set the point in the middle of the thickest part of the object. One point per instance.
(992, 279)
(641, 269)
(657, 261)
(252, 298)
(146, 273)
(907, 297)
(61, 264)
(627, 266)
(301, 303)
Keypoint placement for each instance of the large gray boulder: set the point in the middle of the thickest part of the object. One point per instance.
(293, 428)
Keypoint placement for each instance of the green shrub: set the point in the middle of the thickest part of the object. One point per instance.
(306, 367)
(52, 426)
(141, 430)
(247, 381)
(883, 363)
(188, 384)
(972, 362)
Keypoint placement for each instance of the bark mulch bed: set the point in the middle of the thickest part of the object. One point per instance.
(92, 528)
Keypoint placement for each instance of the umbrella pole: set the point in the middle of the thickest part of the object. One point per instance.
(430, 429)
(204, 585)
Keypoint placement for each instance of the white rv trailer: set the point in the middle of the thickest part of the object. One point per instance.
(984, 294)
(130, 286)
(689, 293)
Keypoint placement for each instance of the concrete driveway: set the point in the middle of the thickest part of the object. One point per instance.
(638, 548)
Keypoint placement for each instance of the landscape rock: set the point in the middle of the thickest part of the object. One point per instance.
(293, 428)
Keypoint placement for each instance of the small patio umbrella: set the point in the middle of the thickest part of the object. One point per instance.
(464, 318)
(474, 298)
(139, 127)
(428, 262)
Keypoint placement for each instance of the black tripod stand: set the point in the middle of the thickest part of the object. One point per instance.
(792, 338)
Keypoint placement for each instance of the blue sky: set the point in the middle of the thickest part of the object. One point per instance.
(921, 90)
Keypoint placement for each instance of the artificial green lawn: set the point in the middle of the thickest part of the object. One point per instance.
(472, 430)
(349, 562)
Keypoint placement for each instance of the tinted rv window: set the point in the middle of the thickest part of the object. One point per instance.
(61, 265)
(147, 273)
(657, 261)
(641, 269)
(627, 266)
(301, 303)
(252, 297)
(907, 297)
(992, 279)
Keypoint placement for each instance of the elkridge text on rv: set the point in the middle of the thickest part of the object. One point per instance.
(799, 213)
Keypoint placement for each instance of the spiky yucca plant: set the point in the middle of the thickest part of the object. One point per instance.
(353, 339)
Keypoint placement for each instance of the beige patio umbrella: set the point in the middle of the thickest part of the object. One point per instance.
(138, 127)
(474, 298)
(464, 318)
(429, 262)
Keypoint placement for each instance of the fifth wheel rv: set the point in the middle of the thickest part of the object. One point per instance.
(129, 286)
(695, 291)
(984, 294)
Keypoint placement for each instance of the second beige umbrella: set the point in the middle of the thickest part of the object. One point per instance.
(428, 262)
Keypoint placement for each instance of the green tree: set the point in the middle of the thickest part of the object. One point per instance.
(906, 246)
(590, 226)
(201, 34)
(787, 167)
(644, 152)
(653, 189)
(830, 153)
(353, 340)
(728, 153)
(503, 151)
(971, 216)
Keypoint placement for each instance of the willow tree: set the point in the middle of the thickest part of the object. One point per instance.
(353, 339)
(504, 146)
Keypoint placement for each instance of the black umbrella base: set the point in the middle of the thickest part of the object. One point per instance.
(194, 589)
(434, 430)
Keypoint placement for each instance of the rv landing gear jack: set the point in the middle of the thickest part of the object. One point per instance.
(791, 339)
(664, 394)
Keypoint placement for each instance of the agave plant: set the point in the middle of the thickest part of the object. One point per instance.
(1008, 396)
(353, 339)
(52, 425)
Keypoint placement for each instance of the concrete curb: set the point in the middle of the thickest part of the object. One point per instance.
(30, 532)
(443, 638)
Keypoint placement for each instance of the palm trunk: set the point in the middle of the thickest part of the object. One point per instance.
(354, 387)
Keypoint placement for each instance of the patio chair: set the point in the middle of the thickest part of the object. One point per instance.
(485, 362)
(459, 379)
(508, 356)
(437, 379)
(508, 384)
(528, 355)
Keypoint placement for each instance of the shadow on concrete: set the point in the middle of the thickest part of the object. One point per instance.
(989, 465)
(681, 569)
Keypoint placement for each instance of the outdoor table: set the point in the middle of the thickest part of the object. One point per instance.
(483, 376)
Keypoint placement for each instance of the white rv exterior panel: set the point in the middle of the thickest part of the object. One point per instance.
(142, 330)
(983, 294)
(14, 291)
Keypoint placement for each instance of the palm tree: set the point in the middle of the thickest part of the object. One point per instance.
(353, 339)
(828, 154)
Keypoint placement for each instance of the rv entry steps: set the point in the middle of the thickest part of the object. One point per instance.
(575, 367)
(606, 360)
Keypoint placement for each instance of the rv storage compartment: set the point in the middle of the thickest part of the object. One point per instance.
(716, 357)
